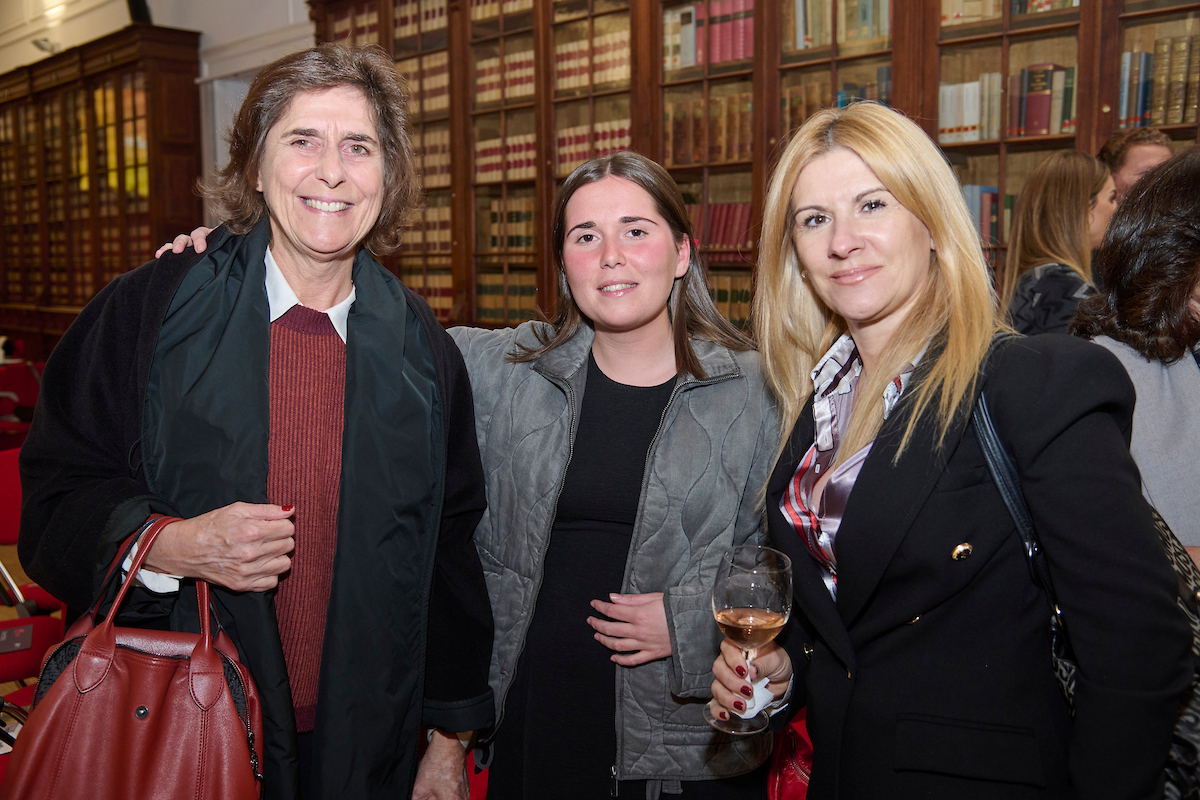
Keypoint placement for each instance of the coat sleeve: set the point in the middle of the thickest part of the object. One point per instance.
(81, 478)
(695, 637)
(459, 648)
(1064, 409)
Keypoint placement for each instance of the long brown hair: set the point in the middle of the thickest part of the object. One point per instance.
(690, 307)
(1050, 222)
(957, 306)
(368, 69)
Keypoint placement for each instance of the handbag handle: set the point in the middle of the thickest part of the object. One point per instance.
(96, 654)
(1004, 473)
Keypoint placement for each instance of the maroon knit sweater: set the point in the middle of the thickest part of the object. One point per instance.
(304, 452)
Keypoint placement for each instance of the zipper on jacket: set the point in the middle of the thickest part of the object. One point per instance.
(615, 790)
(680, 386)
(537, 592)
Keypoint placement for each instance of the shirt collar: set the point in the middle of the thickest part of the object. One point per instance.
(838, 371)
(280, 298)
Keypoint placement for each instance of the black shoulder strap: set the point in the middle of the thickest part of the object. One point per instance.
(1004, 473)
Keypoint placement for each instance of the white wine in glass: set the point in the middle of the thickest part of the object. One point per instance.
(751, 599)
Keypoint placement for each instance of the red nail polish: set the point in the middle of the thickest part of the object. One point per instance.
(741, 671)
(288, 508)
(724, 715)
(739, 705)
(746, 690)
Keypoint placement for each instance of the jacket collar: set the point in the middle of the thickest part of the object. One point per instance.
(568, 359)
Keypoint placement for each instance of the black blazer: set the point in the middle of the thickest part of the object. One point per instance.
(931, 676)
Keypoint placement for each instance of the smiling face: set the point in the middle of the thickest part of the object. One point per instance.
(620, 258)
(322, 178)
(866, 256)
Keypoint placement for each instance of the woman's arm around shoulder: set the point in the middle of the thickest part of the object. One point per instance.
(1064, 407)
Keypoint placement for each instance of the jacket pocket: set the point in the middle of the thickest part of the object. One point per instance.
(968, 749)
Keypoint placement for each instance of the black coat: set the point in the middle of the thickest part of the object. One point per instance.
(931, 676)
(105, 438)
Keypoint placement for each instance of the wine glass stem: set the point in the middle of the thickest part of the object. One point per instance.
(749, 655)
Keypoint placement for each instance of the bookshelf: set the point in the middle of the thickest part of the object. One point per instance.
(1156, 80)
(87, 138)
(712, 89)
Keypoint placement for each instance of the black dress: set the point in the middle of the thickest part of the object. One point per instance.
(558, 734)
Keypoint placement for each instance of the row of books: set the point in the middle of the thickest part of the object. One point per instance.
(513, 158)
(363, 26)
(489, 9)
(431, 234)
(959, 12)
(1038, 6)
(693, 36)
(730, 130)
(607, 61)
(863, 19)
(806, 24)
(508, 77)
(879, 89)
(578, 143)
(1042, 100)
(436, 286)
(799, 102)
(727, 228)
(418, 16)
(730, 292)
(428, 81)
(503, 300)
(510, 224)
(1160, 88)
(989, 216)
(433, 157)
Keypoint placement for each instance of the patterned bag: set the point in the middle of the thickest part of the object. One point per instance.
(1183, 760)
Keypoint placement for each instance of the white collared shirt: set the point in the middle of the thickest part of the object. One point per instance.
(280, 299)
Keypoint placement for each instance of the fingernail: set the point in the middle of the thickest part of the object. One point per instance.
(739, 705)
(746, 690)
(724, 715)
(288, 508)
(741, 671)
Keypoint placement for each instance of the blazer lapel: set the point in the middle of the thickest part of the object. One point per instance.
(808, 590)
(885, 501)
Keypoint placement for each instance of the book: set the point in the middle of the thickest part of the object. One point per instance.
(1123, 94)
(1193, 81)
(1177, 79)
(1057, 95)
(1160, 80)
(969, 103)
(1038, 99)
(1144, 83)
(1070, 101)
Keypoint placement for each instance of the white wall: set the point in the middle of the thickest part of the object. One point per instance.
(64, 23)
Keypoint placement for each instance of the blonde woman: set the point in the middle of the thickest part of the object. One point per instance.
(1060, 219)
(918, 641)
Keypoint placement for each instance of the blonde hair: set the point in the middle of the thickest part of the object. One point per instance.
(1050, 222)
(957, 305)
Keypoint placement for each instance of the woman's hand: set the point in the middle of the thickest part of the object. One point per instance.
(731, 685)
(636, 628)
(198, 239)
(442, 773)
(242, 547)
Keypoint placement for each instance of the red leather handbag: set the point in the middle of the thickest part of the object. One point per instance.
(133, 714)
(791, 762)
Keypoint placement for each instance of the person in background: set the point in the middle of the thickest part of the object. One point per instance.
(309, 425)
(1061, 216)
(1148, 315)
(1129, 153)
(918, 640)
(625, 445)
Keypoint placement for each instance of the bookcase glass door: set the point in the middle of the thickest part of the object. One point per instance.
(1160, 70)
(420, 42)
(506, 83)
(1006, 99)
(708, 134)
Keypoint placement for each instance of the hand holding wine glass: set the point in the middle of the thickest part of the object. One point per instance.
(751, 600)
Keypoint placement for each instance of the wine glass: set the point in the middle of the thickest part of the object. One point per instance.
(751, 599)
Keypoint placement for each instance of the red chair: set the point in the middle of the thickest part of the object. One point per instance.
(20, 385)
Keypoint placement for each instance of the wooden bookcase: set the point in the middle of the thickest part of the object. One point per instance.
(99, 155)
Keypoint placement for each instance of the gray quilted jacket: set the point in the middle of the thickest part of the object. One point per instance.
(700, 494)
